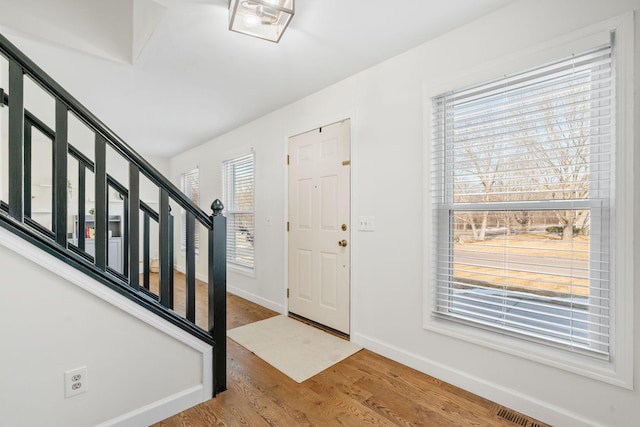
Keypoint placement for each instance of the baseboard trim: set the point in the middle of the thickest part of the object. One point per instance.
(543, 411)
(279, 308)
(271, 305)
(159, 410)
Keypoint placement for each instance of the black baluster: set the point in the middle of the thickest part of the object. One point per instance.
(82, 216)
(60, 182)
(27, 168)
(126, 242)
(165, 250)
(101, 203)
(191, 266)
(133, 237)
(146, 253)
(16, 141)
(171, 272)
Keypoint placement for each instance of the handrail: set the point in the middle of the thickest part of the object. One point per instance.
(44, 80)
(16, 215)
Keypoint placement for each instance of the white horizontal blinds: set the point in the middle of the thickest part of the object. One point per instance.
(522, 179)
(191, 188)
(239, 196)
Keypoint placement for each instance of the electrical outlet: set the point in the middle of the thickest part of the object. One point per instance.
(75, 381)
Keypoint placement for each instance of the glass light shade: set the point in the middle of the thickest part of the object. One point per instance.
(265, 19)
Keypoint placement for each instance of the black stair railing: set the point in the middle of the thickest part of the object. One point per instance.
(72, 246)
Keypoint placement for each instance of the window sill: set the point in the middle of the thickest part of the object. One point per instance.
(581, 364)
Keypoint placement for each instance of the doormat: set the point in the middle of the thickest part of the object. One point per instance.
(297, 350)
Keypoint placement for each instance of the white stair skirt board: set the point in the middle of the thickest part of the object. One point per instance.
(155, 411)
(298, 350)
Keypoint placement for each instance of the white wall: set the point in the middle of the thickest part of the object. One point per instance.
(140, 369)
(388, 139)
(266, 288)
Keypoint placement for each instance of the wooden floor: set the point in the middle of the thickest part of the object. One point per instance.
(364, 389)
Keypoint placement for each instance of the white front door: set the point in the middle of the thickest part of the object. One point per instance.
(319, 225)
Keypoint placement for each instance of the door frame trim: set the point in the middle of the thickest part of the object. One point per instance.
(295, 130)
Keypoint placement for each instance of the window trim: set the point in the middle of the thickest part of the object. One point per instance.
(237, 267)
(619, 370)
(455, 115)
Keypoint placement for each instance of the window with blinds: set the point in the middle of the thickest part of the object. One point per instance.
(522, 185)
(190, 186)
(239, 195)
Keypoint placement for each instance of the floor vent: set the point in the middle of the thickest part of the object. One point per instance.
(516, 418)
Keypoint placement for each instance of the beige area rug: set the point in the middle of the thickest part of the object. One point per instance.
(299, 351)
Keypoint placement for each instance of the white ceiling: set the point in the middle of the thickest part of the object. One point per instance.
(167, 75)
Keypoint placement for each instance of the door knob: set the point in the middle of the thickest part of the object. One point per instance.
(342, 243)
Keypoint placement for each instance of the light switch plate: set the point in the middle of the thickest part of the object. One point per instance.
(367, 223)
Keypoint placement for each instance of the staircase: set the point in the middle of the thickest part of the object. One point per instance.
(63, 234)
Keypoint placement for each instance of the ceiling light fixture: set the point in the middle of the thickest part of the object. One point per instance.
(265, 19)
